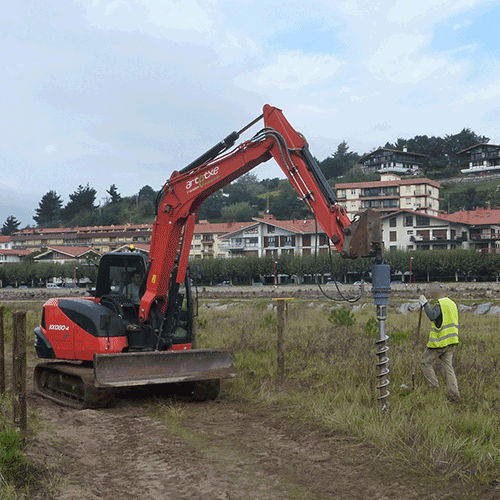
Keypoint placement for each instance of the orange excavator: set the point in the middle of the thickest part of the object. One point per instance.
(137, 329)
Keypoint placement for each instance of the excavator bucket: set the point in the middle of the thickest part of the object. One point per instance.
(162, 367)
(363, 238)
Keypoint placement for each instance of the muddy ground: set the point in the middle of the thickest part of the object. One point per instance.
(227, 449)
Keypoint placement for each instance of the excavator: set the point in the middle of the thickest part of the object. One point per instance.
(137, 328)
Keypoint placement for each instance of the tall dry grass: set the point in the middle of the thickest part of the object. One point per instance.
(331, 381)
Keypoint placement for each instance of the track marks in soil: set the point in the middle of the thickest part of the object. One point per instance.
(223, 450)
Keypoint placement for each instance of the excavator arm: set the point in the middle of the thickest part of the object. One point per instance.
(182, 195)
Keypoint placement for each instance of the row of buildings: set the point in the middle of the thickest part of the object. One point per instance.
(405, 229)
(479, 159)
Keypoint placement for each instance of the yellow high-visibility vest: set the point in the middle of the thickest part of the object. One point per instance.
(447, 334)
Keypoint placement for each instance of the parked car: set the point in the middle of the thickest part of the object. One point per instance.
(258, 283)
(331, 282)
(52, 285)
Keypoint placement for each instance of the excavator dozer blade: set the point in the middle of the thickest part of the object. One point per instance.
(162, 367)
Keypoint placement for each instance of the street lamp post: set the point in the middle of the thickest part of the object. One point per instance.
(411, 262)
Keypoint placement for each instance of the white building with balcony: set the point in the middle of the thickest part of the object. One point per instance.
(409, 230)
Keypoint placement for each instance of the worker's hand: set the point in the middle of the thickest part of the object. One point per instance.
(422, 300)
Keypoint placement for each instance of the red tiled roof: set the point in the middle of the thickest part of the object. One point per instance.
(296, 225)
(73, 251)
(219, 227)
(15, 252)
(5, 239)
(478, 216)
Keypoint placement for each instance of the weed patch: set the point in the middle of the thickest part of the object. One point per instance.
(330, 367)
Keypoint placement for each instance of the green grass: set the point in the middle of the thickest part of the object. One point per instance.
(19, 479)
(331, 382)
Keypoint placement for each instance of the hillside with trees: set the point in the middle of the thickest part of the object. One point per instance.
(249, 197)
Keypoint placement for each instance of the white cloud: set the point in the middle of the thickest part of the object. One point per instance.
(405, 11)
(132, 15)
(179, 15)
(398, 60)
(292, 71)
(458, 26)
(490, 92)
(49, 150)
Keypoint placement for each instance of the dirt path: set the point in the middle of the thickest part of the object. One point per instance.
(219, 450)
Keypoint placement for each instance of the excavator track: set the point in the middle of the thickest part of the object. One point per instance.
(70, 385)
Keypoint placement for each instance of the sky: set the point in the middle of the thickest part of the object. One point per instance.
(125, 92)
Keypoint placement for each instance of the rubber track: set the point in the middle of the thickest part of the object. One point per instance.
(74, 388)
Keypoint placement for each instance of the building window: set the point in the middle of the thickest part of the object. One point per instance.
(306, 240)
(422, 221)
(270, 229)
(409, 221)
(393, 236)
(392, 222)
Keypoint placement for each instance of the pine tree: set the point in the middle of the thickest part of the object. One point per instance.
(11, 225)
(49, 209)
(114, 194)
(82, 200)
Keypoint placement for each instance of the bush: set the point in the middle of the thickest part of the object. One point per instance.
(341, 317)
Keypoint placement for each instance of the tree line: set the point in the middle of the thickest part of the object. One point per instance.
(426, 266)
(249, 197)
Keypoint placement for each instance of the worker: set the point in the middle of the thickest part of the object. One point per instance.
(443, 339)
(133, 288)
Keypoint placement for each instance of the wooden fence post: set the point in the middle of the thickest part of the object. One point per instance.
(2, 354)
(19, 370)
(280, 346)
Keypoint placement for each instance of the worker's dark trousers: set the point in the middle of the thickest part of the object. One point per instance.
(445, 357)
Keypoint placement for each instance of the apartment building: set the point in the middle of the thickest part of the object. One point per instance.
(484, 224)
(393, 161)
(208, 239)
(410, 230)
(481, 158)
(390, 194)
(269, 236)
(100, 238)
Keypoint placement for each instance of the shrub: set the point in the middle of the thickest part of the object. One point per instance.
(341, 317)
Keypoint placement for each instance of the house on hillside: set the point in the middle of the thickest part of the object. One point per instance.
(393, 161)
(481, 158)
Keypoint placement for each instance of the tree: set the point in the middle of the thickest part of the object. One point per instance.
(114, 194)
(11, 225)
(287, 204)
(147, 193)
(340, 162)
(82, 200)
(238, 212)
(49, 209)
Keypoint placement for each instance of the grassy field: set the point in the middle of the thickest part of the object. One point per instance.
(331, 382)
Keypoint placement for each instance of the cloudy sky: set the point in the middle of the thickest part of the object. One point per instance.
(125, 91)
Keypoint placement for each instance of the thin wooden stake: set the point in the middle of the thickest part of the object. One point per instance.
(2, 354)
(19, 370)
(280, 347)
